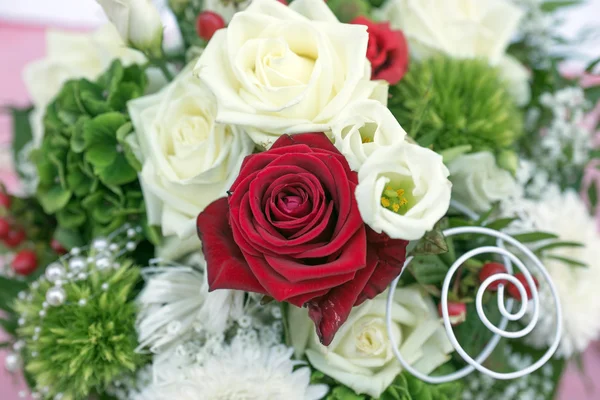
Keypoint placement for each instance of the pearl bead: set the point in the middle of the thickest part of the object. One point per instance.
(113, 247)
(130, 232)
(77, 263)
(56, 296)
(19, 345)
(75, 251)
(54, 272)
(42, 313)
(45, 304)
(82, 302)
(22, 394)
(21, 321)
(105, 286)
(100, 244)
(82, 276)
(12, 362)
(22, 295)
(130, 246)
(37, 329)
(34, 354)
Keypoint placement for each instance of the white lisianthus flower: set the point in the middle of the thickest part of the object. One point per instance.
(403, 190)
(363, 127)
(189, 160)
(361, 356)
(567, 216)
(138, 23)
(71, 56)
(279, 69)
(517, 78)
(477, 182)
(458, 28)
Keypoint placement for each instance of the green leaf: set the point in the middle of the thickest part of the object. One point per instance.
(68, 238)
(101, 155)
(554, 5)
(592, 94)
(590, 68)
(555, 245)
(344, 393)
(429, 270)
(118, 173)
(9, 290)
(500, 223)
(103, 128)
(71, 217)
(433, 242)
(569, 261)
(53, 198)
(484, 217)
(9, 326)
(453, 153)
(534, 237)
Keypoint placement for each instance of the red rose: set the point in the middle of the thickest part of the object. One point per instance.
(387, 51)
(291, 229)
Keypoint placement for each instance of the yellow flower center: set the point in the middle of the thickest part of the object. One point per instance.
(394, 200)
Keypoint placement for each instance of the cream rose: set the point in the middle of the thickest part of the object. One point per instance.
(478, 182)
(69, 56)
(361, 354)
(138, 23)
(403, 190)
(363, 127)
(189, 160)
(459, 28)
(517, 78)
(279, 69)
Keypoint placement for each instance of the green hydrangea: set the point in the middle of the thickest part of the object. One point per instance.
(80, 347)
(452, 104)
(87, 170)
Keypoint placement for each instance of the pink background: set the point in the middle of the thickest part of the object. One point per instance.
(20, 44)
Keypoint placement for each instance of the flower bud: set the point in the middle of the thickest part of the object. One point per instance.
(138, 23)
(508, 160)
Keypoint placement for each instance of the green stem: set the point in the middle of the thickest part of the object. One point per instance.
(163, 66)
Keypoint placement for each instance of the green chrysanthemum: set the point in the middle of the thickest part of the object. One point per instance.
(81, 346)
(456, 103)
(87, 169)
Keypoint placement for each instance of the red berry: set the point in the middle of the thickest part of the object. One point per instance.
(284, 2)
(208, 23)
(57, 247)
(489, 269)
(25, 262)
(457, 312)
(14, 238)
(4, 228)
(5, 200)
(514, 292)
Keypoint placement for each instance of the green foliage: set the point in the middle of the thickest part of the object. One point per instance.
(22, 133)
(82, 349)
(456, 103)
(347, 10)
(186, 12)
(408, 387)
(87, 170)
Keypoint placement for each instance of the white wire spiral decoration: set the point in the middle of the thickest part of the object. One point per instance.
(506, 311)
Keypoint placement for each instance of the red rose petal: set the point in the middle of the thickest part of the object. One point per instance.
(225, 264)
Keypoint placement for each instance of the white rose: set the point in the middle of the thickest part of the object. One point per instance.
(459, 28)
(361, 356)
(517, 79)
(363, 127)
(189, 160)
(279, 69)
(477, 181)
(138, 23)
(71, 56)
(403, 190)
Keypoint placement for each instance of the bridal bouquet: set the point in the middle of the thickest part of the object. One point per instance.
(263, 200)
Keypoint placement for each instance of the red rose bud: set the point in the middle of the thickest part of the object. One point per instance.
(4, 228)
(456, 311)
(5, 200)
(387, 50)
(25, 262)
(489, 269)
(57, 247)
(207, 23)
(14, 238)
(284, 2)
(514, 292)
(291, 229)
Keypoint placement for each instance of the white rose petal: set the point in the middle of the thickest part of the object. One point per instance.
(189, 160)
(419, 178)
(363, 127)
(458, 28)
(477, 181)
(138, 23)
(279, 69)
(361, 355)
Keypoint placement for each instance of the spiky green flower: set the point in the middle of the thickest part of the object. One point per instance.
(449, 103)
(86, 166)
(81, 346)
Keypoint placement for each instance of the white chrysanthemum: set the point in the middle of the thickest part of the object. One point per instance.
(565, 215)
(245, 370)
(176, 303)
